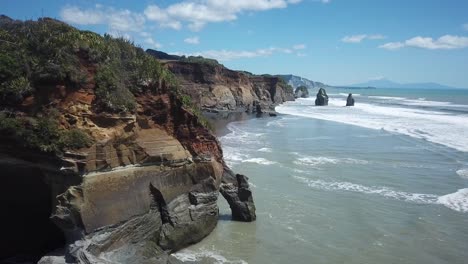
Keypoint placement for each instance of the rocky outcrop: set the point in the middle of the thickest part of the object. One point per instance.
(213, 87)
(301, 92)
(145, 185)
(236, 190)
(350, 100)
(149, 186)
(297, 81)
(322, 97)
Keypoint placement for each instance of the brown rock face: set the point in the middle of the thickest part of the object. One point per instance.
(100, 157)
(148, 185)
(214, 87)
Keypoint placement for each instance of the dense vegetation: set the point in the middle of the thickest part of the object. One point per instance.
(36, 53)
(201, 60)
(190, 106)
(35, 56)
(42, 133)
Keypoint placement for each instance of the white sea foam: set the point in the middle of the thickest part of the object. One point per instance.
(382, 191)
(435, 126)
(463, 173)
(317, 161)
(387, 97)
(238, 137)
(189, 256)
(276, 123)
(342, 94)
(457, 201)
(265, 150)
(234, 156)
(346, 94)
(260, 161)
(415, 102)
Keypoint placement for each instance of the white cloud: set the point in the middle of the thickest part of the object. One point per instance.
(196, 14)
(75, 15)
(152, 43)
(361, 37)
(465, 26)
(299, 46)
(392, 45)
(125, 20)
(325, 1)
(192, 40)
(353, 39)
(145, 34)
(226, 55)
(117, 20)
(444, 42)
(119, 34)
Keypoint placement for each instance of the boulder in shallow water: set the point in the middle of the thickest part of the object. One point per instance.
(322, 97)
(236, 190)
(350, 100)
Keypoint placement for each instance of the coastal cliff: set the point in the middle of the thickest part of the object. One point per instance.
(104, 161)
(213, 87)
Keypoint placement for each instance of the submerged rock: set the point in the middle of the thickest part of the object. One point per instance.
(350, 100)
(235, 189)
(301, 92)
(322, 97)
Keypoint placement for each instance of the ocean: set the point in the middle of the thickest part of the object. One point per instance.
(383, 182)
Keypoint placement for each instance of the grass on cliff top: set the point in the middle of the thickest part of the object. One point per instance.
(35, 56)
(188, 104)
(41, 133)
(201, 60)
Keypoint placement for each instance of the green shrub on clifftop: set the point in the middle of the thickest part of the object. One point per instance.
(41, 133)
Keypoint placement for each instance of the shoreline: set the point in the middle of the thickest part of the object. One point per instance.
(220, 120)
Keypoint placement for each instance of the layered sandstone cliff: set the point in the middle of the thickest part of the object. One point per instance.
(214, 87)
(125, 170)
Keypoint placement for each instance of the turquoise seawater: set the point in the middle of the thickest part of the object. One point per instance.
(385, 181)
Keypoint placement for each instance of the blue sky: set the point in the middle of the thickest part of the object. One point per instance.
(334, 41)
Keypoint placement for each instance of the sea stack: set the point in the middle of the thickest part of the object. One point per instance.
(322, 97)
(350, 100)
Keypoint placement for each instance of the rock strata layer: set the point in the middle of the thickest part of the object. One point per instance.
(147, 182)
(215, 88)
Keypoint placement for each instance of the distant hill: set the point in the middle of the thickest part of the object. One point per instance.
(385, 83)
(162, 55)
(296, 81)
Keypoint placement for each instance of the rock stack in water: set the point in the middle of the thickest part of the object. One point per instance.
(350, 100)
(322, 97)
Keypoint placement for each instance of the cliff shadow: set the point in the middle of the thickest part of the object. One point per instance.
(27, 232)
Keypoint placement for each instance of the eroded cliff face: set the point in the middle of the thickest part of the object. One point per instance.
(214, 87)
(147, 186)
